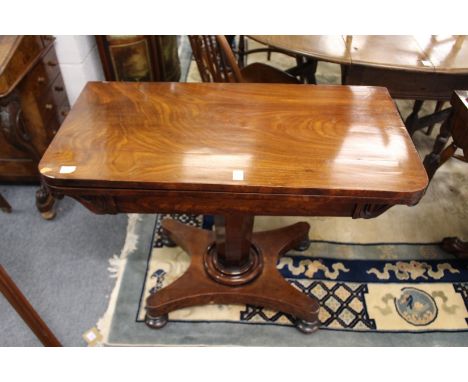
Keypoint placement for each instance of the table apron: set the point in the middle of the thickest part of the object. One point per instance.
(404, 84)
(217, 203)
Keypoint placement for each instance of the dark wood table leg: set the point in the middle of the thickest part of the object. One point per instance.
(19, 302)
(438, 108)
(456, 246)
(233, 265)
(4, 205)
(412, 119)
(435, 159)
(45, 203)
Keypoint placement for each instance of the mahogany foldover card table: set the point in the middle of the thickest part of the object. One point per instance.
(234, 151)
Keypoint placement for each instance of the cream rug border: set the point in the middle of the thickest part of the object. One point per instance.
(117, 265)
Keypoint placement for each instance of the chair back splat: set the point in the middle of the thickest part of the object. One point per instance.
(215, 59)
(217, 63)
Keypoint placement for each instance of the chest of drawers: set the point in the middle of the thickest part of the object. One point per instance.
(33, 104)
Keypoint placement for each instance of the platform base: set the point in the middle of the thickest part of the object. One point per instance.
(268, 289)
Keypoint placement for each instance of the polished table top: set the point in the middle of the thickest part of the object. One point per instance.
(423, 53)
(262, 138)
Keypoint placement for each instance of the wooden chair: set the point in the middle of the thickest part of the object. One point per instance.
(305, 66)
(243, 51)
(216, 63)
(455, 127)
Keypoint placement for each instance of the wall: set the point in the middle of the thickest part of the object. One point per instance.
(79, 62)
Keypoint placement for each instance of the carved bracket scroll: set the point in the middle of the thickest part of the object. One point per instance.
(369, 211)
(13, 126)
(99, 204)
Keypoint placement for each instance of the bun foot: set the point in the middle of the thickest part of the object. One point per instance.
(156, 322)
(455, 246)
(45, 203)
(303, 245)
(307, 327)
(48, 215)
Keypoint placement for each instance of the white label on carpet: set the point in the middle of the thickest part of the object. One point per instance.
(67, 169)
(90, 336)
(93, 337)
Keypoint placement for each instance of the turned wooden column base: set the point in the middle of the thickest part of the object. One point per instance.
(45, 203)
(263, 284)
(455, 246)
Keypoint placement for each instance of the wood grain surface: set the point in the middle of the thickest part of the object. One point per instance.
(329, 48)
(7, 45)
(286, 139)
(423, 53)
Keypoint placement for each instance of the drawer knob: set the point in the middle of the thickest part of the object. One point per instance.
(52, 63)
(49, 106)
(64, 113)
(41, 79)
(58, 88)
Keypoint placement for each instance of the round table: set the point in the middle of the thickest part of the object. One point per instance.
(421, 67)
(411, 67)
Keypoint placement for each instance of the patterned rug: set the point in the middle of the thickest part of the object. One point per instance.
(364, 295)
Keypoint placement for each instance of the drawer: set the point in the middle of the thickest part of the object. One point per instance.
(53, 98)
(52, 126)
(50, 63)
(63, 111)
(40, 79)
(56, 121)
(57, 89)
